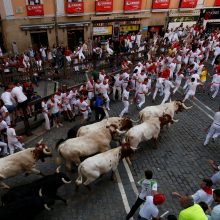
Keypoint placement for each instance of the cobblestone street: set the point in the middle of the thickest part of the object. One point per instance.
(179, 163)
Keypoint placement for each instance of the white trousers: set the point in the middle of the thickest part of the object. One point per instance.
(14, 145)
(214, 132)
(141, 97)
(81, 56)
(176, 88)
(68, 58)
(117, 88)
(188, 94)
(166, 96)
(214, 88)
(156, 90)
(4, 147)
(47, 121)
(125, 110)
(105, 95)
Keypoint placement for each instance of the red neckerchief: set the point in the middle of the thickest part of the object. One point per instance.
(81, 100)
(91, 81)
(208, 190)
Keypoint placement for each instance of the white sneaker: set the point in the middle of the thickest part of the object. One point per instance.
(57, 126)
(60, 124)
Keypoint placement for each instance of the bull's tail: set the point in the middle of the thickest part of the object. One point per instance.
(59, 142)
(79, 180)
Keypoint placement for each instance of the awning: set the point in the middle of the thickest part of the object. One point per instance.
(30, 27)
(73, 24)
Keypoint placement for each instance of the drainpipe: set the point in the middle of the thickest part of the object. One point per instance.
(55, 23)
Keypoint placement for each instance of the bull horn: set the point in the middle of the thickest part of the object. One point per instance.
(40, 192)
(66, 182)
(46, 152)
(185, 107)
(58, 169)
(107, 124)
(40, 141)
(47, 207)
(136, 120)
(175, 120)
(134, 148)
(120, 132)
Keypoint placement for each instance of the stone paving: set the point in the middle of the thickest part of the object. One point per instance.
(179, 164)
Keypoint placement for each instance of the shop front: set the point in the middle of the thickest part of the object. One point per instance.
(103, 32)
(211, 18)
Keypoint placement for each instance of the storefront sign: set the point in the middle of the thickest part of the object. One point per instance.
(161, 4)
(35, 10)
(104, 6)
(145, 28)
(188, 3)
(183, 19)
(208, 14)
(132, 5)
(127, 28)
(107, 30)
(217, 2)
(74, 7)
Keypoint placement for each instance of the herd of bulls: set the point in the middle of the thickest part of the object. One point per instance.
(25, 202)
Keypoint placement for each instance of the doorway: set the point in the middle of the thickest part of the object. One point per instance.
(74, 37)
(38, 39)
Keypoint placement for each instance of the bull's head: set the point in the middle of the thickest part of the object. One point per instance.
(126, 123)
(180, 106)
(165, 119)
(126, 150)
(41, 151)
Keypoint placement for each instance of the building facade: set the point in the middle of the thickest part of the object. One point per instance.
(46, 22)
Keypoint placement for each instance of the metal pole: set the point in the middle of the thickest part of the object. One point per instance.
(55, 23)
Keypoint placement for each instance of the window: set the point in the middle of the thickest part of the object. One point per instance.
(34, 2)
(75, 0)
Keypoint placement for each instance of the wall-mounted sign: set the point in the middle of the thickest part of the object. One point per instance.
(188, 3)
(132, 5)
(106, 30)
(74, 7)
(104, 5)
(208, 14)
(35, 10)
(183, 19)
(127, 28)
(145, 28)
(161, 4)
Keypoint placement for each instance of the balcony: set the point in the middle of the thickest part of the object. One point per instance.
(74, 8)
(35, 10)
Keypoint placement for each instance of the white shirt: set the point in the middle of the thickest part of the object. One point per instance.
(44, 107)
(216, 79)
(168, 85)
(3, 111)
(149, 210)
(118, 82)
(83, 106)
(7, 98)
(179, 78)
(104, 88)
(202, 196)
(217, 51)
(3, 125)
(101, 77)
(55, 106)
(147, 188)
(196, 77)
(217, 118)
(193, 86)
(97, 88)
(125, 95)
(90, 86)
(18, 94)
(11, 135)
(215, 214)
(142, 89)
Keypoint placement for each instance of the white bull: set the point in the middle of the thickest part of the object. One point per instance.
(123, 123)
(93, 167)
(94, 142)
(23, 161)
(158, 110)
(147, 130)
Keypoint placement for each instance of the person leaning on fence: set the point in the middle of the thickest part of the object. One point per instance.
(13, 140)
